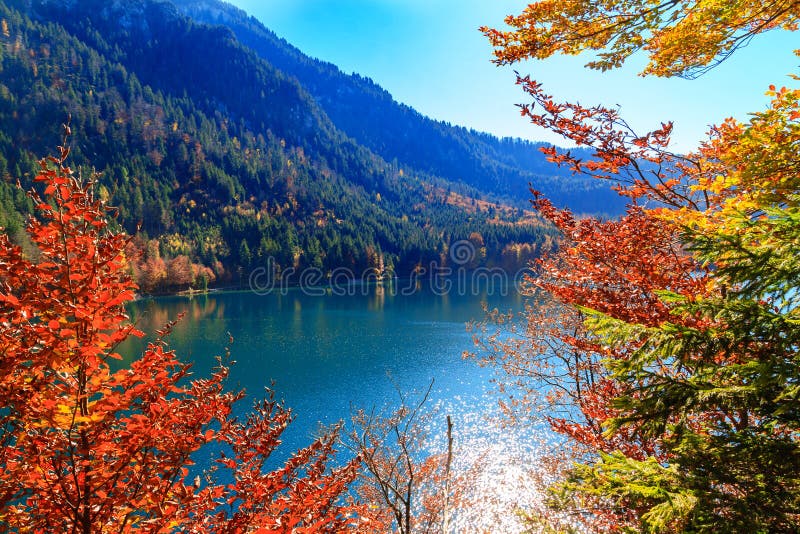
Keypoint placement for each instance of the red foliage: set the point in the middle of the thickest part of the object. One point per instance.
(639, 165)
(154, 275)
(87, 449)
(619, 268)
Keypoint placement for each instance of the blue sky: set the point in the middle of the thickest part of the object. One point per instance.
(429, 54)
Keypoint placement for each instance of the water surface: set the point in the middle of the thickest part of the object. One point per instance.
(329, 355)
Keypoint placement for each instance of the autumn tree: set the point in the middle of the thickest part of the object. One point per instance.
(680, 37)
(90, 447)
(666, 349)
(410, 487)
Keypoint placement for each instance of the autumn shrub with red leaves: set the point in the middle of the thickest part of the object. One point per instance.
(86, 448)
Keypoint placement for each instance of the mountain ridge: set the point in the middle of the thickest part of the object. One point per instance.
(223, 160)
(368, 113)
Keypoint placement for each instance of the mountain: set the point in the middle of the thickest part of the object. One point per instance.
(369, 114)
(219, 160)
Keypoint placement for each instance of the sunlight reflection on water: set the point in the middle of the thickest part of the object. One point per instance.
(329, 355)
(500, 466)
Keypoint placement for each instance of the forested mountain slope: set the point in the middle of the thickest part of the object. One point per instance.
(218, 159)
(368, 113)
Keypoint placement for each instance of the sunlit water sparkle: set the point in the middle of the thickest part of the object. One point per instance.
(331, 355)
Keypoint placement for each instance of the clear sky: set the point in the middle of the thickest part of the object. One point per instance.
(430, 55)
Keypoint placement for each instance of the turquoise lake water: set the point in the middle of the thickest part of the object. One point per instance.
(328, 355)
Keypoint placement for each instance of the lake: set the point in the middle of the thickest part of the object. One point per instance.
(330, 354)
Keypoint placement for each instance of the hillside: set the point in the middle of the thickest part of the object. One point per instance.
(369, 114)
(212, 154)
(215, 156)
